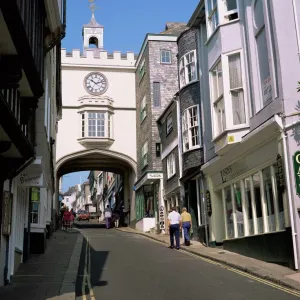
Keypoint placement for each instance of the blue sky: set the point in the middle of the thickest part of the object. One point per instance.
(125, 25)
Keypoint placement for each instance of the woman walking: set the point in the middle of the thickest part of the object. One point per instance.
(67, 219)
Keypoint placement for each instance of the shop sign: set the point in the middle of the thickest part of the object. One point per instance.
(148, 176)
(6, 214)
(280, 179)
(162, 217)
(297, 171)
(31, 180)
(155, 176)
(208, 203)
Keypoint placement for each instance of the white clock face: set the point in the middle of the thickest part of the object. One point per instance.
(95, 83)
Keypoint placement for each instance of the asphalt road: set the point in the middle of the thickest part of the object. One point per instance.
(116, 265)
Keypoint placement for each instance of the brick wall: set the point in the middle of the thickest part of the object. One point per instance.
(167, 75)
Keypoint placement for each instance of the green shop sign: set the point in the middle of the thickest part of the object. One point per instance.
(297, 171)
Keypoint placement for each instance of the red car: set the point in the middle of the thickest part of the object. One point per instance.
(83, 215)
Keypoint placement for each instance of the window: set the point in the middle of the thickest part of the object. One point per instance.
(171, 166)
(262, 52)
(156, 94)
(169, 123)
(252, 205)
(187, 68)
(231, 9)
(143, 112)
(82, 125)
(142, 70)
(190, 128)
(236, 89)
(34, 204)
(145, 155)
(165, 57)
(212, 15)
(96, 124)
(217, 97)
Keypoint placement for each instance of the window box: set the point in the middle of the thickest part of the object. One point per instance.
(191, 135)
(188, 68)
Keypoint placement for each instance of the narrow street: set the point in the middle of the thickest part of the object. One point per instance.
(116, 265)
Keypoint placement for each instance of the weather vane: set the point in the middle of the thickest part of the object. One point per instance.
(93, 6)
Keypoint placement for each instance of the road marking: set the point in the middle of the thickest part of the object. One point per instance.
(231, 269)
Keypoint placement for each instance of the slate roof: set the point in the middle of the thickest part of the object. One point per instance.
(174, 28)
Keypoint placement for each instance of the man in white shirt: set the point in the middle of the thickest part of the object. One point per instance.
(174, 222)
(107, 215)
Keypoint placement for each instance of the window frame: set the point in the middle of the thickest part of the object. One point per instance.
(232, 11)
(263, 202)
(143, 110)
(161, 57)
(171, 165)
(142, 69)
(144, 155)
(210, 14)
(170, 128)
(188, 129)
(84, 124)
(38, 202)
(156, 93)
(227, 95)
(183, 69)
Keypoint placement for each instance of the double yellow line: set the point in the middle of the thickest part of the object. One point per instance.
(253, 277)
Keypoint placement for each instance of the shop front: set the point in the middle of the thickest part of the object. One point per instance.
(249, 204)
(149, 208)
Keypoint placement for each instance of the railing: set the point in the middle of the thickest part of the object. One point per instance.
(33, 15)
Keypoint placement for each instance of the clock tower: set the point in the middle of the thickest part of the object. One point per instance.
(92, 33)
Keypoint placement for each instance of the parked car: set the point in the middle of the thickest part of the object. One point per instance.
(83, 215)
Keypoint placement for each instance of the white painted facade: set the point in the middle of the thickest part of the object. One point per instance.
(111, 145)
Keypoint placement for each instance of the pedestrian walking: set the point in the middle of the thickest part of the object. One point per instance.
(186, 220)
(107, 216)
(117, 218)
(67, 219)
(174, 223)
(72, 218)
(62, 211)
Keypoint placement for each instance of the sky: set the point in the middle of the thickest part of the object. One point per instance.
(125, 25)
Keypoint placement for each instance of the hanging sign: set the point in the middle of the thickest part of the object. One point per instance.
(296, 160)
(6, 221)
(280, 179)
(208, 203)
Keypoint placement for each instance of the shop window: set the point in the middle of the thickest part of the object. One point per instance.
(280, 201)
(228, 213)
(249, 203)
(34, 204)
(258, 204)
(238, 209)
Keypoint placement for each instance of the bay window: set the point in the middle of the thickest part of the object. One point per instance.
(227, 93)
(231, 9)
(187, 68)
(95, 124)
(190, 128)
(253, 205)
(212, 15)
(171, 165)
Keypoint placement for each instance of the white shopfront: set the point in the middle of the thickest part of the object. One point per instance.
(246, 199)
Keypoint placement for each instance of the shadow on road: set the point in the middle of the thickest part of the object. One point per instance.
(92, 273)
(88, 225)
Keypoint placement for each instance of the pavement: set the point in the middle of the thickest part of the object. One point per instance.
(51, 275)
(124, 265)
(267, 271)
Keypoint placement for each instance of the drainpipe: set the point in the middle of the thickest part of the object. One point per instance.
(296, 27)
(205, 210)
(280, 121)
